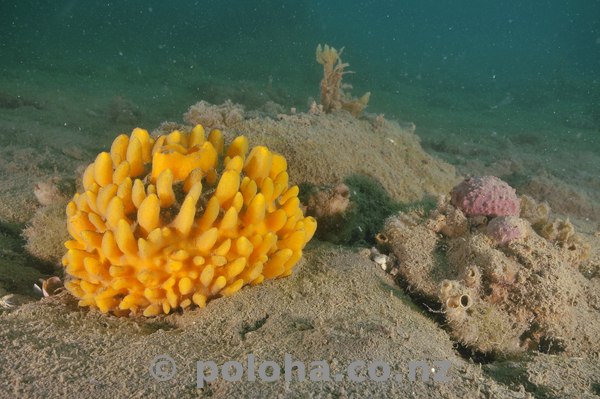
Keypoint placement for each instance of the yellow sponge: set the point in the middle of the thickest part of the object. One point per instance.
(145, 239)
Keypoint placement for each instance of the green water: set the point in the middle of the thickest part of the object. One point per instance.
(458, 69)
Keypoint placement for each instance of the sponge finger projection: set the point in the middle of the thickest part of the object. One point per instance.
(167, 222)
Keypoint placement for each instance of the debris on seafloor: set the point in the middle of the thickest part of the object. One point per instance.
(12, 301)
(49, 287)
(331, 209)
(53, 190)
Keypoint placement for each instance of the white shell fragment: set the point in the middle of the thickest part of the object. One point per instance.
(381, 260)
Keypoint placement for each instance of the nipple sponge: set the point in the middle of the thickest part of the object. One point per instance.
(167, 222)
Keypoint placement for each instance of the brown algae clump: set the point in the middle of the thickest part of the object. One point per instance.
(333, 97)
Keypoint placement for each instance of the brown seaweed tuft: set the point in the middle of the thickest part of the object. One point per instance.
(333, 97)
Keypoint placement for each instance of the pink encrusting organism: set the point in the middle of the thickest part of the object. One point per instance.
(506, 228)
(485, 196)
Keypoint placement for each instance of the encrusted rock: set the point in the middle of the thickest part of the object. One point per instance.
(503, 288)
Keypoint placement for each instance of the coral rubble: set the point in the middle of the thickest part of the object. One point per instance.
(504, 286)
(169, 221)
(333, 97)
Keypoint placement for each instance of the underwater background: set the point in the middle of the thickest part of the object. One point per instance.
(484, 54)
(484, 82)
(507, 88)
(503, 88)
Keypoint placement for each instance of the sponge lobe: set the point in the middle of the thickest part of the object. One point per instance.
(151, 238)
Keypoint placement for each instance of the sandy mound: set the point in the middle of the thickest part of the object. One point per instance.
(324, 149)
